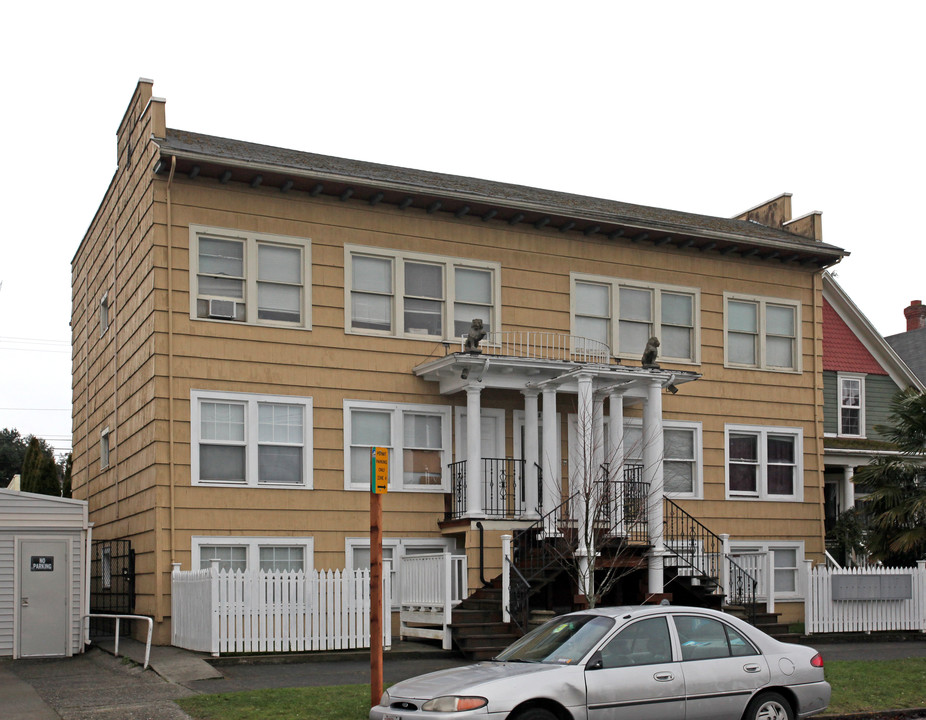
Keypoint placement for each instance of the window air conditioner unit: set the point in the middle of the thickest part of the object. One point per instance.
(224, 309)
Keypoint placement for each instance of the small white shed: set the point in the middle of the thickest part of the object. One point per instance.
(44, 588)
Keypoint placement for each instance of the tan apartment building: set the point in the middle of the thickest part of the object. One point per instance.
(248, 321)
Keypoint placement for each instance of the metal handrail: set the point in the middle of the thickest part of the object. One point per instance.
(117, 618)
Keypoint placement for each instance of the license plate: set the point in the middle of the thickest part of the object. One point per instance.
(392, 717)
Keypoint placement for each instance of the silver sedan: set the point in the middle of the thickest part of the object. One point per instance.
(625, 663)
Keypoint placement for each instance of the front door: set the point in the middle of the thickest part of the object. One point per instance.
(494, 487)
(43, 598)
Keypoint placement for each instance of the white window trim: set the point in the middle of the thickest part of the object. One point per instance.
(399, 546)
(763, 546)
(762, 302)
(698, 479)
(861, 404)
(449, 263)
(105, 441)
(615, 285)
(396, 411)
(251, 401)
(104, 314)
(763, 431)
(251, 240)
(253, 543)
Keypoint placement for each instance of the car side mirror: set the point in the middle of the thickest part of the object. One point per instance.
(595, 662)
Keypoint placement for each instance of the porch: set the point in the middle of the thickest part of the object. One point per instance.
(529, 483)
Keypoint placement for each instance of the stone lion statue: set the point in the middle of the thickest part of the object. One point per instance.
(474, 337)
(650, 352)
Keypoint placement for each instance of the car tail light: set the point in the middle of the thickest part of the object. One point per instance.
(817, 660)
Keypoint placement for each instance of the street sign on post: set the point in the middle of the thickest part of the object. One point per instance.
(379, 481)
(379, 470)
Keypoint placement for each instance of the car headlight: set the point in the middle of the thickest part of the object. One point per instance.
(454, 703)
(385, 699)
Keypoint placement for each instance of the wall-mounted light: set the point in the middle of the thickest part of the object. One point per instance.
(464, 374)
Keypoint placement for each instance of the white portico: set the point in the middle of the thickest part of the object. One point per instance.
(543, 366)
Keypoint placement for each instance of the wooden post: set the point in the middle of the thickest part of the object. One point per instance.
(376, 598)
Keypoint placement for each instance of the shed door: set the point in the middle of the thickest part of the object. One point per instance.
(43, 598)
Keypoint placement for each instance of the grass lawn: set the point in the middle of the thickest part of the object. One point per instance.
(858, 686)
(870, 685)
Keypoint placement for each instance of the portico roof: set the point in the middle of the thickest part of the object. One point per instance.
(459, 370)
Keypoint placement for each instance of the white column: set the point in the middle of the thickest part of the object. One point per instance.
(582, 483)
(848, 488)
(597, 435)
(652, 473)
(506, 578)
(552, 490)
(473, 452)
(531, 454)
(616, 434)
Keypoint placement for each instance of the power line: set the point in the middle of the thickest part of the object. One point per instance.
(35, 340)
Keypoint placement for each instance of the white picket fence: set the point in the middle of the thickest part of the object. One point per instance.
(220, 611)
(431, 586)
(865, 599)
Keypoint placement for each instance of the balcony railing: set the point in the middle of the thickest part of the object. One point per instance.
(535, 345)
(502, 483)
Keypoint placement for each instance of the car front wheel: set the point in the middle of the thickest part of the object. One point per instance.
(769, 706)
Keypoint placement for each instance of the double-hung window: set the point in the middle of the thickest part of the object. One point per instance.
(625, 314)
(248, 277)
(762, 333)
(764, 463)
(788, 560)
(417, 438)
(681, 458)
(270, 554)
(251, 440)
(416, 295)
(852, 405)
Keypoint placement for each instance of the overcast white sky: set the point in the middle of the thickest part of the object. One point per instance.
(707, 107)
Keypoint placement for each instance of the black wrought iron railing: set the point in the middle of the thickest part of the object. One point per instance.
(502, 488)
(701, 554)
(693, 544)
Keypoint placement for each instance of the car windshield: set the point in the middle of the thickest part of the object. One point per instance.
(562, 641)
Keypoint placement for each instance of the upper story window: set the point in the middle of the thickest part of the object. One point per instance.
(104, 314)
(239, 439)
(249, 277)
(762, 333)
(764, 463)
(417, 438)
(416, 295)
(624, 314)
(852, 405)
(104, 449)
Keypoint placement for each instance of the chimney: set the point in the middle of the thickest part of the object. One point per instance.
(916, 315)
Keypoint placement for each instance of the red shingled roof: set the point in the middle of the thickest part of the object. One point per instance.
(842, 350)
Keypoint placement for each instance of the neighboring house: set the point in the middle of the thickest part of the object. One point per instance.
(249, 321)
(861, 375)
(911, 345)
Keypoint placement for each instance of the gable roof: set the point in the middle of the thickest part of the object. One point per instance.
(854, 321)
(241, 161)
(842, 350)
(911, 346)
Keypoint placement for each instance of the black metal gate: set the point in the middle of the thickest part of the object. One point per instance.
(112, 585)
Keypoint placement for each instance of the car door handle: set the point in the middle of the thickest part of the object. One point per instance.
(752, 668)
(664, 677)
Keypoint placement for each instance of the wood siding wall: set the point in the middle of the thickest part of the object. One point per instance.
(121, 380)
